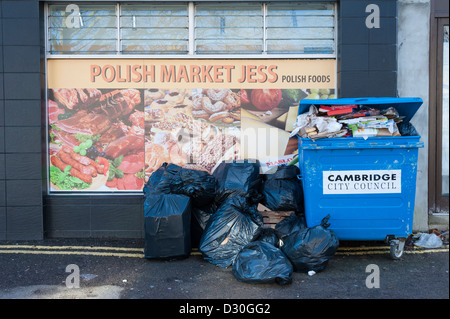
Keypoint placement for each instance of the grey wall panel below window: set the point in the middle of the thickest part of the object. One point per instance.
(367, 57)
(94, 216)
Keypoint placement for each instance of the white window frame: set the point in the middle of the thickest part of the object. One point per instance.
(191, 46)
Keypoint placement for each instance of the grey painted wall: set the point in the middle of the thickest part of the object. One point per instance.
(413, 75)
(21, 80)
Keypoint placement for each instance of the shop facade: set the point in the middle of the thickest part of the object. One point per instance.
(107, 91)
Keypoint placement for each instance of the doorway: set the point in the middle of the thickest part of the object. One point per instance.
(439, 110)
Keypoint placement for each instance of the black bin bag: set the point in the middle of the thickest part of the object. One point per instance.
(199, 220)
(283, 190)
(167, 224)
(200, 186)
(311, 248)
(260, 262)
(235, 223)
(151, 187)
(239, 178)
(269, 235)
(290, 225)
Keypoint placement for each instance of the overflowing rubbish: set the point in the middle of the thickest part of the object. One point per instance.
(311, 248)
(220, 214)
(260, 262)
(358, 163)
(351, 121)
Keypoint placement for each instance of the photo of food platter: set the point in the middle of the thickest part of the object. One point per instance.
(96, 139)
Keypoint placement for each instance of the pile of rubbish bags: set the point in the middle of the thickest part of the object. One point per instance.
(351, 121)
(218, 213)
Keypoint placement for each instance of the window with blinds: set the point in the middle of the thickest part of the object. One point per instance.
(157, 29)
(82, 29)
(300, 28)
(229, 28)
(188, 29)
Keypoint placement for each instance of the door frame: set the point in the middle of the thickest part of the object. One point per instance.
(439, 18)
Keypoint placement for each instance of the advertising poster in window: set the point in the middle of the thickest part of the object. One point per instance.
(113, 122)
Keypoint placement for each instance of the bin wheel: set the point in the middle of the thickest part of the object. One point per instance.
(396, 249)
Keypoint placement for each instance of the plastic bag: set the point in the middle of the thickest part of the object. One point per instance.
(290, 225)
(428, 241)
(238, 178)
(262, 263)
(282, 190)
(151, 186)
(167, 226)
(199, 220)
(268, 235)
(235, 223)
(161, 179)
(407, 129)
(200, 186)
(311, 248)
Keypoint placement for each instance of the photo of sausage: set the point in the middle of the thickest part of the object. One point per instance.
(57, 162)
(88, 170)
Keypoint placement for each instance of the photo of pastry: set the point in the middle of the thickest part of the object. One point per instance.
(175, 133)
(221, 107)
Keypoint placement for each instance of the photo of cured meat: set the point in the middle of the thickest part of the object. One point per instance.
(174, 134)
(96, 139)
(76, 98)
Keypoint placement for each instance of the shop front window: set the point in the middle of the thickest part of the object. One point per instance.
(133, 85)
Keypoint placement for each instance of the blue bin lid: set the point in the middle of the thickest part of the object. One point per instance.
(406, 106)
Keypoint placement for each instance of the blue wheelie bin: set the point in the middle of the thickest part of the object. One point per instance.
(366, 185)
